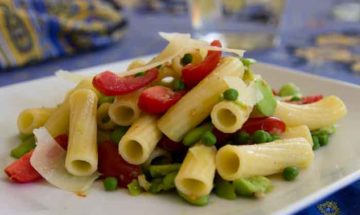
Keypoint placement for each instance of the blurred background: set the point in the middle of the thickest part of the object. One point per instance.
(37, 37)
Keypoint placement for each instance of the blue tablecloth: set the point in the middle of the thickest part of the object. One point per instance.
(142, 39)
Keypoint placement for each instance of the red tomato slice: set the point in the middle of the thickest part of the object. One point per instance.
(158, 99)
(193, 74)
(110, 84)
(221, 138)
(170, 145)
(62, 140)
(311, 99)
(21, 171)
(112, 164)
(272, 125)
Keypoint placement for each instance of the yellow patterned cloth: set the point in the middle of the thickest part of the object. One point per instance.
(35, 30)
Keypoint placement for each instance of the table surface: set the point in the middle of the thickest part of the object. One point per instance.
(145, 25)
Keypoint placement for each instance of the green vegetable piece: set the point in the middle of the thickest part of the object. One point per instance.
(231, 94)
(241, 137)
(178, 85)
(225, 189)
(261, 136)
(275, 137)
(208, 138)
(266, 106)
(295, 98)
(169, 181)
(323, 139)
(290, 173)
(289, 89)
(24, 147)
(134, 188)
(164, 169)
(105, 99)
(23, 137)
(139, 74)
(327, 130)
(110, 183)
(247, 61)
(316, 144)
(253, 186)
(156, 186)
(118, 133)
(248, 76)
(195, 200)
(195, 134)
(186, 59)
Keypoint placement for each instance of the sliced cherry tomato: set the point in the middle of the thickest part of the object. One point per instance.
(311, 99)
(21, 171)
(158, 99)
(193, 74)
(62, 140)
(272, 125)
(111, 164)
(110, 84)
(170, 145)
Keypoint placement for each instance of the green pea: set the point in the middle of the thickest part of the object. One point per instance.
(326, 130)
(178, 85)
(110, 183)
(275, 137)
(208, 138)
(225, 189)
(186, 59)
(169, 181)
(195, 200)
(105, 99)
(230, 94)
(247, 61)
(134, 188)
(24, 147)
(195, 134)
(323, 139)
(290, 173)
(162, 170)
(261, 136)
(253, 186)
(118, 133)
(139, 74)
(295, 98)
(316, 144)
(289, 89)
(241, 137)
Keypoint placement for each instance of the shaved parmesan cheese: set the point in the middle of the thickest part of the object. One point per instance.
(69, 76)
(48, 159)
(249, 95)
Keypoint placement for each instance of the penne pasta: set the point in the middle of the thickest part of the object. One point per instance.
(323, 113)
(228, 116)
(296, 132)
(136, 64)
(233, 162)
(33, 118)
(197, 104)
(81, 157)
(102, 117)
(124, 111)
(140, 140)
(196, 175)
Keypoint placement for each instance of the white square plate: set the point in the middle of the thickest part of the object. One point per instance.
(335, 165)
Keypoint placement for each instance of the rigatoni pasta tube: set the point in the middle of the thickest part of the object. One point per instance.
(81, 157)
(140, 140)
(102, 117)
(197, 104)
(233, 162)
(228, 116)
(124, 111)
(196, 175)
(58, 122)
(32, 118)
(323, 113)
(296, 132)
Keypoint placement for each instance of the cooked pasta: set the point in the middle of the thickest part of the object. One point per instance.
(233, 162)
(102, 117)
(32, 118)
(228, 116)
(197, 104)
(135, 64)
(196, 175)
(296, 132)
(323, 113)
(81, 157)
(124, 111)
(140, 140)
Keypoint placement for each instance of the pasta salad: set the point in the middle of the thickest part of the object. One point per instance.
(191, 120)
